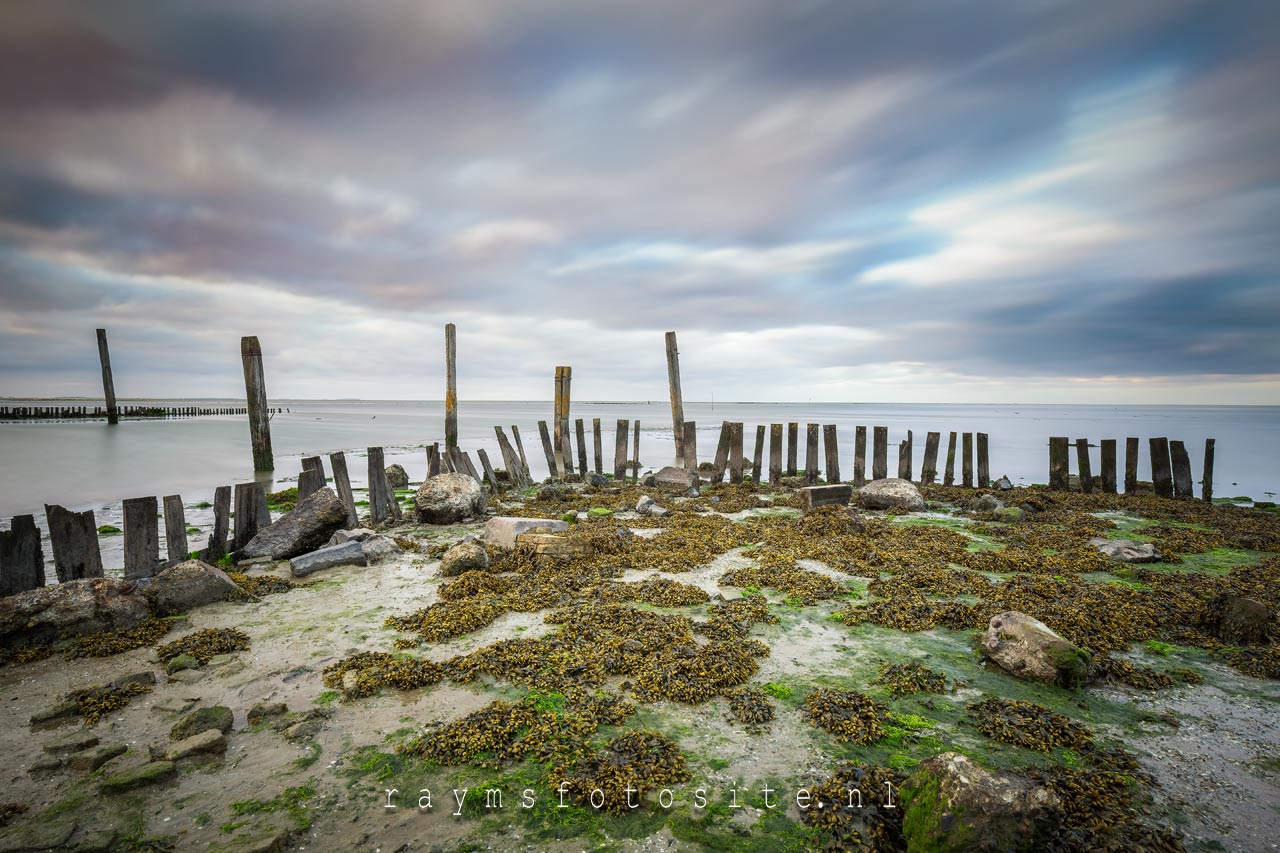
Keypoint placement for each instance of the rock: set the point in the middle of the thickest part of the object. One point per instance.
(951, 804)
(644, 504)
(304, 729)
(1126, 550)
(188, 585)
(649, 481)
(84, 606)
(33, 835)
(173, 704)
(44, 766)
(71, 742)
(145, 677)
(397, 477)
(346, 554)
(1238, 621)
(147, 774)
(217, 717)
(556, 545)
(232, 668)
(1004, 484)
(88, 760)
(207, 742)
(1027, 648)
(550, 492)
(891, 493)
(466, 556)
(986, 503)
(1010, 514)
(304, 528)
(63, 712)
(220, 660)
(181, 662)
(95, 839)
(502, 530)
(594, 479)
(855, 522)
(673, 479)
(187, 676)
(274, 841)
(378, 548)
(448, 499)
(359, 534)
(836, 494)
(264, 710)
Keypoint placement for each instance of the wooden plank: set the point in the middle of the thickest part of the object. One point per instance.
(108, 383)
(833, 494)
(1206, 481)
(1059, 463)
(175, 530)
(689, 444)
(488, 470)
(450, 386)
(1107, 457)
(216, 548)
(342, 483)
(949, 472)
(579, 429)
(810, 454)
(1131, 465)
(1161, 471)
(141, 537)
(735, 453)
(793, 448)
(595, 441)
(255, 389)
(1182, 487)
(635, 451)
(620, 450)
(677, 401)
(880, 453)
(929, 472)
(1082, 462)
(860, 456)
(967, 442)
(757, 458)
(73, 537)
(984, 467)
(554, 460)
(722, 454)
(832, 453)
(21, 556)
(311, 478)
(775, 454)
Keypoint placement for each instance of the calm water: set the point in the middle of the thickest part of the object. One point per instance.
(89, 465)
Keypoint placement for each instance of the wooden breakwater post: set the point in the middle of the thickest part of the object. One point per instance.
(108, 384)
(1131, 465)
(860, 456)
(967, 470)
(1107, 458)
(510, 461)
(1181, 470)
(595, 441)
(735, 453)
(1206, 482)
(984, 463)
(689, 444)
(1058, 462)
(562, 454)
(1161, 469)
(775, 454)
(433, 459)
(880, 453)
(793, 448)
(620, 450)
(929, 471)
(579, 429)
(342, 483)
(832, 453)
(757, 458)
(949, 470)
(141, 537)
(810, 454)
(73, 536)
(311, 478)
(524, 460)
(489, 473)
(677, 400)
(635, 452)
(255, 389)
(383, 504)
(251, 513)
(1082, 461)
(175, 530)
(216, 548)
(904, 458)
(722, 454)
(555, 462)
(21, 556)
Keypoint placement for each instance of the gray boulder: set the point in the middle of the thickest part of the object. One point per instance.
(1126, 550)
(304, 528)
(466, 556)
(1237, 620)
(346, 554)
(84, 606)
(397, 477)
(673, 479)
(891, 493)
(379, 548)
(1027, 648)
(215, 717)
(448, 499)
(191, 584)
(1004, 484)
(986, 503)
(358, 534)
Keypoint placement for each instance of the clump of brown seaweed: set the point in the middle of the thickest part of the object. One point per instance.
(205, 644)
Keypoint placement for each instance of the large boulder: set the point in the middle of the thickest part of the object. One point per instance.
(448, 499)
(673, 479)
(191, 584)
(397, 477)
(1028, 648)
(951, 804)
(84, 606)
(891, 493)
(304, 528)
(502, 530)
(466, 556)
(1126, 550)
(1237, 620)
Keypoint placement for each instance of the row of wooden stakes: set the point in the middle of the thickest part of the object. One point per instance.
(1170, 466)
(22, 413)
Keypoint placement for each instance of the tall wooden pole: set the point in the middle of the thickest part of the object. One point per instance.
(255, 388)
(451, 386)
(108, 384)
(677, 402)
(560, 422)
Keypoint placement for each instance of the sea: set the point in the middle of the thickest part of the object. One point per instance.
(88, 464)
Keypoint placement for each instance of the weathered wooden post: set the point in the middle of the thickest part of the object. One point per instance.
(433, 459)
(251, 505)
(722, 454)
(108, 384)
(1058, 463)
(735, 453)
(1130, 465)
(489, 473)
(1182, 487)
(689, 444)
(620, 450)
(566, 451)
(555, 460)
(595, 440)
(1206, 484)
(929, 472)
(635, 451)
(580, 429)
(859, 456)
(175, 530)
(757, 458)
(141, 538)
(775, 454)
(342, 483)
(255, 388)
(1082, 460)
(793, 448)
(73, 537)
(311, 478)
(509, 462)
(1107, 457)
(21, 556)
(677, 401)
(380, 498)
(524, 460)
(450, 386)
(967, 442)
(949, 470)
(832, 453)
(810, 454)
(1161, 475)
(560, 421)
(216, 548)
(880, 453)
(904, 458)
(984, 467)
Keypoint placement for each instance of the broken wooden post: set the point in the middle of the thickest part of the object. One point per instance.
(677, 402)
(832, 453)
(489, 473)
(255, 388)
(722, 455)
(21, 556)
(880, 453)
(465, 465)
(580, 429)
(450, 386)
(949, 472)
(620, 450)
(342, 483)
(1161, 474)
(560, 421)
(810, 454)
(108, 384)
(967, 462)
(793, 442)
(635, 451)
(566, 451)
(1182, 487)
(383, 505)
(74, 540)
(1206, 482)
(311, 478)
(929, 472)
(433, 459)
(524, 460)
(1130, 465)
(689, 443)
(1107, 458)
(1058, 463)
(984, 468)
(775, 454)
(1082, 461)
(251, 500)
(904, 459)
(735, 453)
(175, 530)
(757, 458)
(595, 440)
(554, 460)
(141, 537)
(860, 456)
(216, 548)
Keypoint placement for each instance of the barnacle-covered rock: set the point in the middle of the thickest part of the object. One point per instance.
(466, 556)
(1028, 648)
(449, 498)
(187, 585)
(85, 606)
(891, 493)
(397, 477)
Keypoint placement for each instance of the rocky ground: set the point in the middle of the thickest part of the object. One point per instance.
(302, 763)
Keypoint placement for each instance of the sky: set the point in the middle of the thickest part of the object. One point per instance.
(1021, 201)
